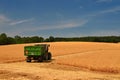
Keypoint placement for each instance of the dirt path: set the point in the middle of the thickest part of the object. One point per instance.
(49, 71)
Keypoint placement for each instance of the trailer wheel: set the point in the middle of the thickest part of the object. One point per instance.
(28, 59)
(40, 59)
(49, 56)
(46, 56)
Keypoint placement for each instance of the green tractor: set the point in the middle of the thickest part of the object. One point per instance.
(37, 52)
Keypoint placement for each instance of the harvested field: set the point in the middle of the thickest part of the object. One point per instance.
(104, 57)
(67, 56)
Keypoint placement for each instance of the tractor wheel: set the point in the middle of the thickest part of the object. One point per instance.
(49, 56)
(40, 59)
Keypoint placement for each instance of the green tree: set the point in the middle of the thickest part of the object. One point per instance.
(51, 39)
(3, 39)
(35, 39)
(41, 39)
(18, 39)
(11, 40)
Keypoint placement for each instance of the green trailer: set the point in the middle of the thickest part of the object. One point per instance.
(37, 52)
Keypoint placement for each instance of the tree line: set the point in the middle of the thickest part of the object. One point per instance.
(4, 39)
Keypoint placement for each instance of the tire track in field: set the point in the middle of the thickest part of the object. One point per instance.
(77, 53)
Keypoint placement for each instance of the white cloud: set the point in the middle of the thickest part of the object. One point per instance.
(3, 19)
(112, 10)
(59, 25)
(20, 22)
(115, 9)
(62, 25)
(105, 33)
(101, 1)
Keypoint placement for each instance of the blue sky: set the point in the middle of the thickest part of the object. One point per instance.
(60, 18)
